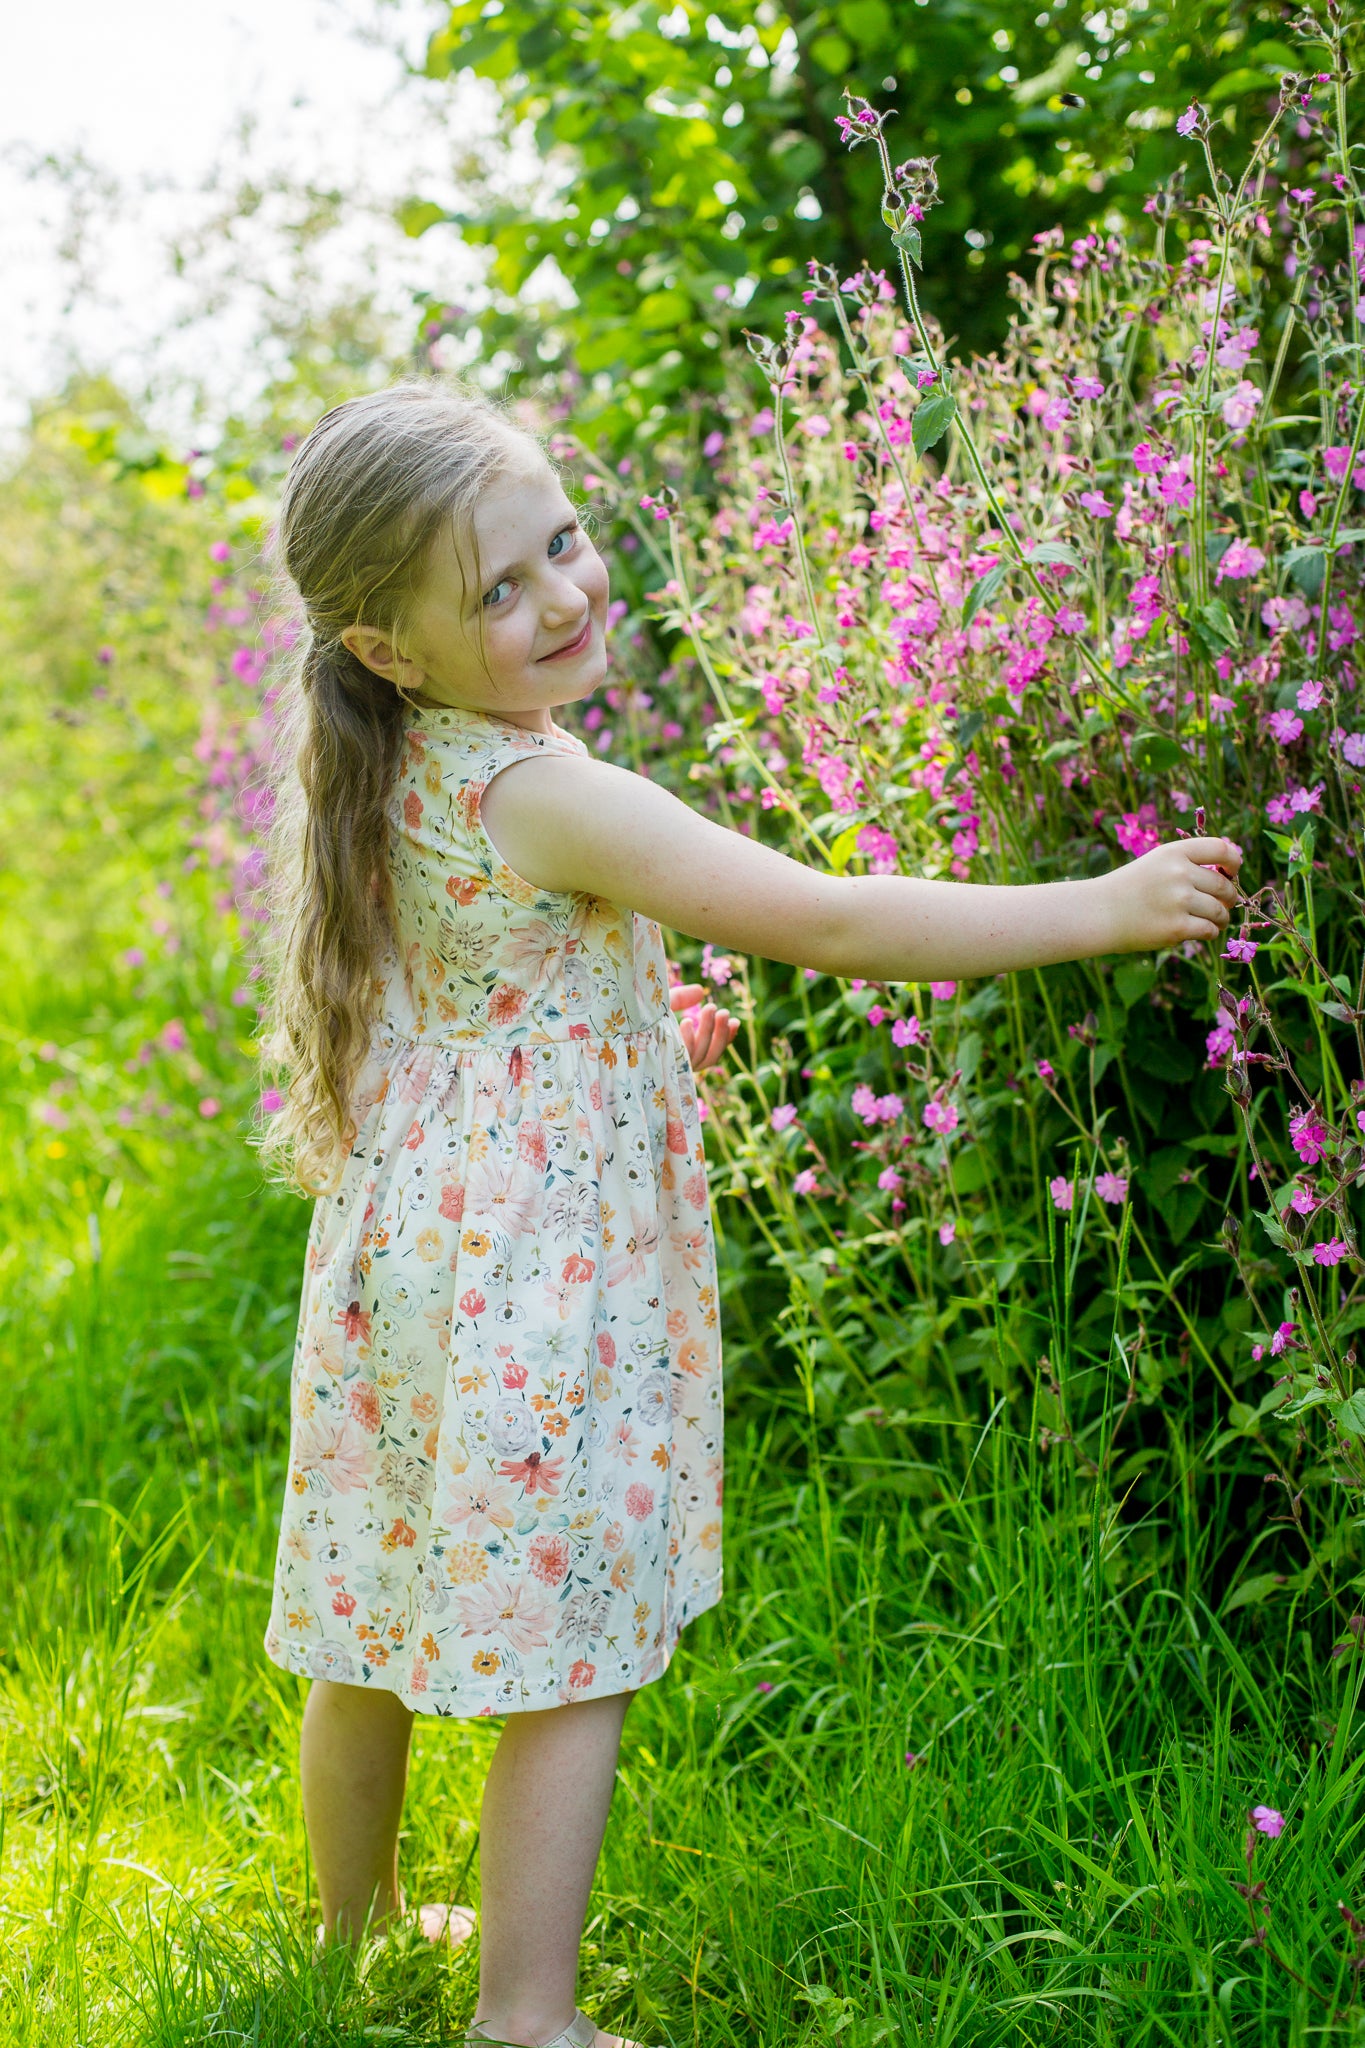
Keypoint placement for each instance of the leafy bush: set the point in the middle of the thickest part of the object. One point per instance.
(1007, 620)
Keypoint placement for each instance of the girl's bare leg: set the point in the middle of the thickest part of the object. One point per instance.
(353, 1758)
(544, 1813)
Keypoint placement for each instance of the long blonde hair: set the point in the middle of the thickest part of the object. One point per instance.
(369, 491)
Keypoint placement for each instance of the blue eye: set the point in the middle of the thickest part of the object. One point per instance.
(570, 530)
(491, 597)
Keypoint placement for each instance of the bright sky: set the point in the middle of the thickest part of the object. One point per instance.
(148, 99)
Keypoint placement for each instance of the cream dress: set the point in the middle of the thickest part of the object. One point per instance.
(504, 1472)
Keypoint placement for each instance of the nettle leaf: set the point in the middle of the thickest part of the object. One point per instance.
(908, 238)
(933, 416)
(984, 591)
(1350, 1416)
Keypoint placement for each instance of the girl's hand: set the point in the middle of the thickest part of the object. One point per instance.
(707, 1036)
(1183, 890)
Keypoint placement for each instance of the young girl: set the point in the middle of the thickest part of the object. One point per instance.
(503, 1494)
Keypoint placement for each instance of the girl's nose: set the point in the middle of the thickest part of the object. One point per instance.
(562, 602)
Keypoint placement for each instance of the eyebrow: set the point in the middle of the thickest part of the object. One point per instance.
(492, 582)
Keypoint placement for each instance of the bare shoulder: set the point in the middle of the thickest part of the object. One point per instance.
(570, 822)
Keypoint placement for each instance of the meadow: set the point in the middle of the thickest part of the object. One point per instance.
(1032, 1711)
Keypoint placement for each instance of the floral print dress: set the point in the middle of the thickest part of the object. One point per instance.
(504, 1473)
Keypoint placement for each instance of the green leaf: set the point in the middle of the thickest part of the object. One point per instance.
(965, 729)
(984, 591)
(1217, 622)
(908, 238)
(1252, 1592)
(415, 216)
(1242, 81)
(1133, 979)
(832, 53)
(843, 848)
(1061, 750)
(1049, 552)
(1350, 1416)
(1156, 752)
(1307, 566)
(933, 416)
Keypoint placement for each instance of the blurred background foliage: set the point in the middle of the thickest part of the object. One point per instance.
(698, 166)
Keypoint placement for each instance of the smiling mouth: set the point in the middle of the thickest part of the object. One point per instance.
(572, 646)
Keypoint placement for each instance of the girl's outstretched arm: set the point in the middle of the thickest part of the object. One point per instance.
(569, 822)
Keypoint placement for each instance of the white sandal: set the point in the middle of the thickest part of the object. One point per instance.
(581, 2032)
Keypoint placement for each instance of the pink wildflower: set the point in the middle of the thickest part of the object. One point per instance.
(1285, 727)
(1062, 1192)
(1310, 696)
(1087, 387)
(947, 1231)
(1239, 405)
(907, 1031)
(942, 991)
(1241, 559)
(1264, 1818)
(1096, 504)
(1147, 460)
(940, 1117)
(1188, 121)
(1240, 949)
(888, 1180)
(1332, 1253)
(1282, 1339)
(804, 1183)
(1111, 1188)
(783, 1115)
(1308, 1135)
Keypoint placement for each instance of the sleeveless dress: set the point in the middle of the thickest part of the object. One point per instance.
(504, 1476)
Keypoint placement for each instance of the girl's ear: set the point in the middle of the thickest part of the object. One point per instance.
(380, 655)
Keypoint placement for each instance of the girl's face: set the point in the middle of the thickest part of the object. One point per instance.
(543, 594)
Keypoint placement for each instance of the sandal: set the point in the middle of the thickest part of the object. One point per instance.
(581, 2032)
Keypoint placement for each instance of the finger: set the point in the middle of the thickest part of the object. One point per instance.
(686, 994)
(1212, 853)
(1212, 883)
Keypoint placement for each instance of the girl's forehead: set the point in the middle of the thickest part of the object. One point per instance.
(523, 489)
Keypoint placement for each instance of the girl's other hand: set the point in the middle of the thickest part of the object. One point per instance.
(708, 1032)
(1183, 890)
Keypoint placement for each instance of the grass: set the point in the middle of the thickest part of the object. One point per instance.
(1056, 1867)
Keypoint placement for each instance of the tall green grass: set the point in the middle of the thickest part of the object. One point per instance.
(1056, 1866)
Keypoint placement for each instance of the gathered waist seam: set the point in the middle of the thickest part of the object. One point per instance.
(389, 1033)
